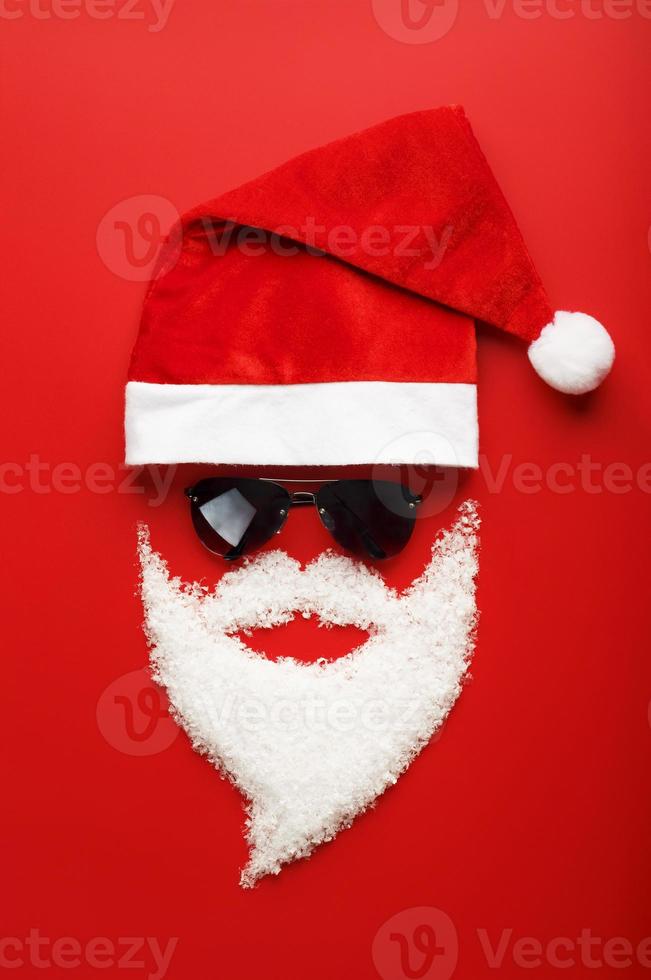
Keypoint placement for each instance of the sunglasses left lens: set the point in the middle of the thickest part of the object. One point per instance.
(234, 517)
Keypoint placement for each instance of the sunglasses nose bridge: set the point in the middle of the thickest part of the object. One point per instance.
(303, 498)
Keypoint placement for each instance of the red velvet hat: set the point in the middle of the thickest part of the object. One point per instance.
(324, 313)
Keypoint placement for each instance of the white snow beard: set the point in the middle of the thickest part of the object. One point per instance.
(312, 745)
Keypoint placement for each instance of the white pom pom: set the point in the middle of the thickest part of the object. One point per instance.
(573, 354)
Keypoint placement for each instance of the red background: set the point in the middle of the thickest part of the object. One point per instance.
(531, 811)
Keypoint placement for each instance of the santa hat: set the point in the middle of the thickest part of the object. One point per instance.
(324, 312)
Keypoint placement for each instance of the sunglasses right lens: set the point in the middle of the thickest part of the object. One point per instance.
(234, 517)
(373, 518)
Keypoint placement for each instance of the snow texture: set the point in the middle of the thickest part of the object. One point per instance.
(311, 745)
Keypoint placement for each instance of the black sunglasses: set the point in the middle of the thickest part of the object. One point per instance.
(233, 517)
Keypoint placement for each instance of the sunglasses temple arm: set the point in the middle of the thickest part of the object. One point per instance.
(362, 528)
(237, 552)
